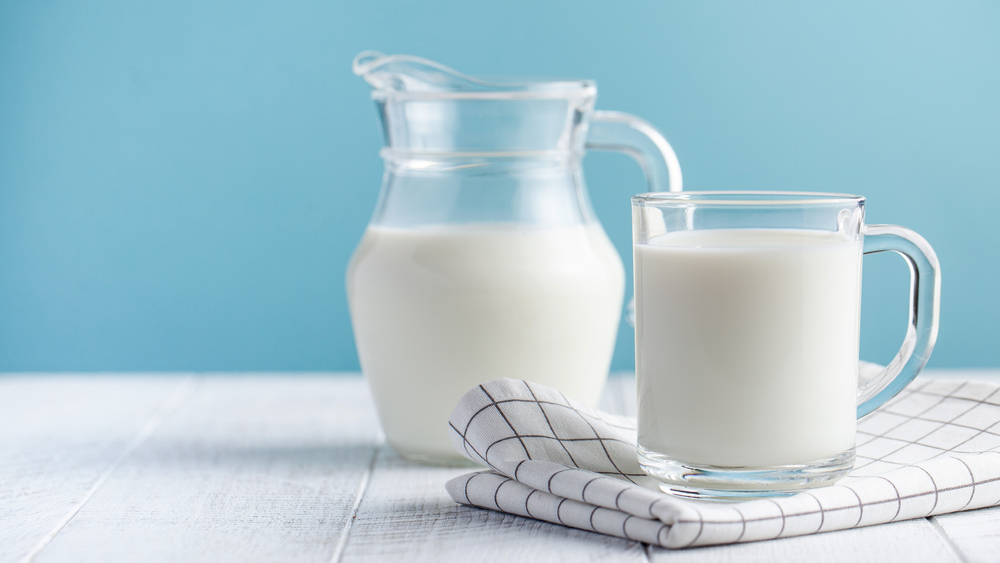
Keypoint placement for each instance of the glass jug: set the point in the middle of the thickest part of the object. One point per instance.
(484, 258)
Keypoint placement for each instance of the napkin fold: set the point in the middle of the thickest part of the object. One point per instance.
(933, 449)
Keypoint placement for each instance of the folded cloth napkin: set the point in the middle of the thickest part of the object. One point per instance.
(933, 449)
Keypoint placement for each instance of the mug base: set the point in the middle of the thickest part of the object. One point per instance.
(707, 482)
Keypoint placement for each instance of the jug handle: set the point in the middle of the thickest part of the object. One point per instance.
(622, 132)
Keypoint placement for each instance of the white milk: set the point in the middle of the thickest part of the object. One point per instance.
(747, 345)
(437, 311)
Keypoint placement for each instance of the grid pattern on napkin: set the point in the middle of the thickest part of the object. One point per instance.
(934, 418)
(935, 448)
(538, 422)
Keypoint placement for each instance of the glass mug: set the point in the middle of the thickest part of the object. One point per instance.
(747, 333)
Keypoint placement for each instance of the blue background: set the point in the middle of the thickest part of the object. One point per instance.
(182, 183)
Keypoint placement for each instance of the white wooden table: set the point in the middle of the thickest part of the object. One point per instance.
(291, 467)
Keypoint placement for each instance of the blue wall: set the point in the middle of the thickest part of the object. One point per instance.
(182, 183)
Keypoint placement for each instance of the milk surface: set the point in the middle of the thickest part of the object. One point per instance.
(747, 345)
(439, 310)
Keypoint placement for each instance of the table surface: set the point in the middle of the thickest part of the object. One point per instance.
(293, 467)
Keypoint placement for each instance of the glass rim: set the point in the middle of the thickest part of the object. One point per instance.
(746, 198)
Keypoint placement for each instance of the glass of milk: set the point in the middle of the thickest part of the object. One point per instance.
(747, 328)
(484, 258)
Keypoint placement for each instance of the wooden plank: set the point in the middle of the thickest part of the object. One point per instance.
(913, 541)
(976, 534)
(248, 469)
(271, 467)
(61, 436)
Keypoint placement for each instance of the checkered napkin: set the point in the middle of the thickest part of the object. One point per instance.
(933, 449)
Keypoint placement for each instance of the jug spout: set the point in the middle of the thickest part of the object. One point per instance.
(406, 73)
(427, 107)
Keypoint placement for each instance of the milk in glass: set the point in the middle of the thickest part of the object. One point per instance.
(438, 310)
(747, 345)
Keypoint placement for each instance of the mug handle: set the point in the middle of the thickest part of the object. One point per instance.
(622, 132)
(925, 304)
